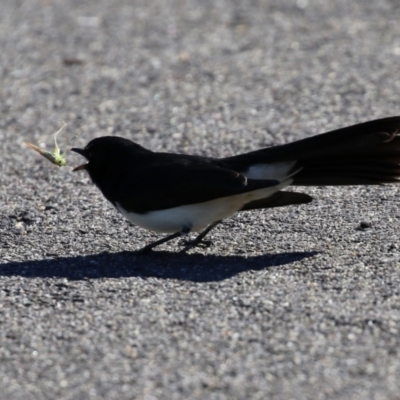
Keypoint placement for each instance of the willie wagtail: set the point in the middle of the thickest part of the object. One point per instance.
(179, 193)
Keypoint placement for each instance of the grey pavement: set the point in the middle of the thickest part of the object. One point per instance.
(294, 303)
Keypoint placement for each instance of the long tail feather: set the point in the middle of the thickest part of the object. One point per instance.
(278, 199)
(363, 154)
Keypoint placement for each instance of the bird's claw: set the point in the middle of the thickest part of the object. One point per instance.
(196, 243)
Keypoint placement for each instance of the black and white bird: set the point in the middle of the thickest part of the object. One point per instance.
(179, 193)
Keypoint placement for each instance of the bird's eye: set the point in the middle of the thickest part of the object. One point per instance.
(88, 154)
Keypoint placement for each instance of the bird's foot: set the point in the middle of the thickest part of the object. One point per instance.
(189, 244)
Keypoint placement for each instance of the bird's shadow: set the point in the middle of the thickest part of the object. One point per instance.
(160, 264)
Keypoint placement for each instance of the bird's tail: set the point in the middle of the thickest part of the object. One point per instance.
(362, 154)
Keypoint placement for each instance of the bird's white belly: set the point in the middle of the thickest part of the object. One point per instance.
(197, 217)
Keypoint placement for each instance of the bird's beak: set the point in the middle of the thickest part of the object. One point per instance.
(82, 153)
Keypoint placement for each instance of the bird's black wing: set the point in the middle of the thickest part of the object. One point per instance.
(172, 184)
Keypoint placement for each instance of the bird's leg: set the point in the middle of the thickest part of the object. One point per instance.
(150, 246)
(195, 242)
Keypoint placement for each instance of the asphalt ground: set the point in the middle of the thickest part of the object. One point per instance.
(294, 303)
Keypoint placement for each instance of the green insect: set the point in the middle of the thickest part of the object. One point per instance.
(57, 156)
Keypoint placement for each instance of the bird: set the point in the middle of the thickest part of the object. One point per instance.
(180, 193)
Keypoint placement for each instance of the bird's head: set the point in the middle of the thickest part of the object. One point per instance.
(107, 153)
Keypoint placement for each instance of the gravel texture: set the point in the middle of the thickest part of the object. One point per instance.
(294, 303)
